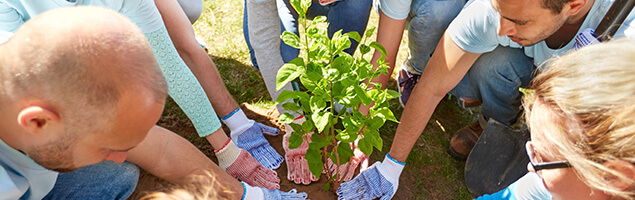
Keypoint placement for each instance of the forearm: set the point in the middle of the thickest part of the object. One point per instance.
(182, 36)
(389, 35)
(171, 157)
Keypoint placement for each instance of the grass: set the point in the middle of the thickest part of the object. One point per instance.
(435, 174)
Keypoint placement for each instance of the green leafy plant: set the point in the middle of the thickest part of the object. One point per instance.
(331, 76)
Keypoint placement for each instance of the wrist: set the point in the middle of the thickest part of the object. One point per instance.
(228, 154)
(251, 193)
(237, 120)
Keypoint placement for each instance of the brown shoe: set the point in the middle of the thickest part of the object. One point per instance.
(463, 141)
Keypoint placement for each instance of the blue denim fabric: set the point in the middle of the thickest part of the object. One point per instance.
(428, 20)
(105, 180)
(348, 15)
(494, 79)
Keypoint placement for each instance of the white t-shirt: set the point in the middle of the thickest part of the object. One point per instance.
(20, 176)
(13, 13)
(475, 30)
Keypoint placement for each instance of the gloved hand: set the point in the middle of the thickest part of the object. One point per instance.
(254, 193)
(248, 135)
(586, 37)
(297, 166)
(380, 180)
(347, 170)
(239, 164)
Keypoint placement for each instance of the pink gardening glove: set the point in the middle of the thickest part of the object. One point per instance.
(347, 170)
(297, 166)
(239, 164)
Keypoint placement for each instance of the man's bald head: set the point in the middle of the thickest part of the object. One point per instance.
(80, 59)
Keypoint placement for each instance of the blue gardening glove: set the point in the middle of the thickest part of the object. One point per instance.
(255, 193)
(248, 135)
(380, 180)
(586, 37)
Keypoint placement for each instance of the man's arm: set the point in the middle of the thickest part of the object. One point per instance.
(447, 66)
(182, 35)
(171, 157)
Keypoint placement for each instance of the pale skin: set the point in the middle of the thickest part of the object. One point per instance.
(449, 64)
(182, 35)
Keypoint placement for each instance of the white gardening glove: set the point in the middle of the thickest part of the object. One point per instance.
(379, 180)
(585, 38)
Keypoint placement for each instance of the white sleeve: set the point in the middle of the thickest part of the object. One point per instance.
(396, 9)
(475, 28)
(10, 18)
(144, 13)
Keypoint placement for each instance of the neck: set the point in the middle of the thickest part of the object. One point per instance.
(570, 28)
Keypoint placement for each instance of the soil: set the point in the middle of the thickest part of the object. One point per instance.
(183, 127)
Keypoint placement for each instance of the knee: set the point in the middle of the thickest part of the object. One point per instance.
(433, 13)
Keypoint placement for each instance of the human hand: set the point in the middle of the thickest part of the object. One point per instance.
(380, 180)
(255, 193)
(297, 166)
(346, 171)
(239, 164)
(251, 138)
(586, 37)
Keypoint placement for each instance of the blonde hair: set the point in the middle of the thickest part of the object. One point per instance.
(202, 187)
(81, 60)
(592, 93)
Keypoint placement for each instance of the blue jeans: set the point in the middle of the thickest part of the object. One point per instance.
(494, 79)
(105, 180)
(347, 15)
(428, 20)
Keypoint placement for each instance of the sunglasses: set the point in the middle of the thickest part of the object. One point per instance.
(538, 163)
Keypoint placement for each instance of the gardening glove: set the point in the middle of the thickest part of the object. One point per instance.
(347, 170)
(255, 193)
(248, 135)
(239, 164)
(380, 180)
(585, 38)
(297, 166)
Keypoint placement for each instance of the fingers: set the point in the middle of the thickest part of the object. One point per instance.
(267, 130)
(267, 156)
(266, 178)
(294, 195)
(350, 190)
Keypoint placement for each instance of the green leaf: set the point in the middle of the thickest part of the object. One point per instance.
(291, 39)
(380, 48)
(295, 140)
(297, 128)
(373, 138)
(386, 114)
(375, 123)
(286, 118)
(392, 94)
(354, 35)
(369, 32)
(314, 160)
(299, 6)
(361, 94)
(317, 141)
(364, 146)
(345, 152)
(307, 126)
(317, 104)
(321, 119)
(289, 72)
(291, 106)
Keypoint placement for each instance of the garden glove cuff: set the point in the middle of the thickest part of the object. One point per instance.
(379, 180)
(585, 38)
(248, 135)
(239, 164)
(297, 166)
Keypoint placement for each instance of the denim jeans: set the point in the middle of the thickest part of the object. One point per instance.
(428, 20)
(494, 79)
(348, 15)
(105, 180)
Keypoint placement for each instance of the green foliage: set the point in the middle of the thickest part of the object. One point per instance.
(332, 76)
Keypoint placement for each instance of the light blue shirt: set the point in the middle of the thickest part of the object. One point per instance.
(475, 30)
(21, 177)
(13, 13)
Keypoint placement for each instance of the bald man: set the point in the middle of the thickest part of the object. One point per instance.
(80, 93)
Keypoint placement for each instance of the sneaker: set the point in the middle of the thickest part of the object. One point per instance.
(406, 81)
(464, 140)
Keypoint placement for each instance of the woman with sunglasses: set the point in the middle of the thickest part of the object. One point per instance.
(582, 121)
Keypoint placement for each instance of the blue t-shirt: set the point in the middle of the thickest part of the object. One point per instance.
(475, 30)
(20, 176)
(13, 13)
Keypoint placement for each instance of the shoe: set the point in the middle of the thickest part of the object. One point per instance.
(406, 81)
(463, 141)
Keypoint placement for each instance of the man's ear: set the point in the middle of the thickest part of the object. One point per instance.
(35, 118)
(575, 6)
(625, 168)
